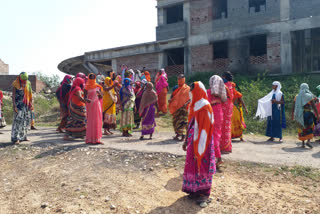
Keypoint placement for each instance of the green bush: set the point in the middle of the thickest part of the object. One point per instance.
(256, 87)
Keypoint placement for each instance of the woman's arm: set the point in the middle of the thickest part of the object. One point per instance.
(78, 94)
(243, 104)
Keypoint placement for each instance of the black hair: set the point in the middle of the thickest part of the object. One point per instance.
(192, 86)
(228, 75)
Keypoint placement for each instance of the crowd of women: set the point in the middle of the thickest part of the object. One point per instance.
(205, 120)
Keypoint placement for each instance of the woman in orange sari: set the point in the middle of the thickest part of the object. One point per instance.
(162, 90)
(178, 107)
(200, 160)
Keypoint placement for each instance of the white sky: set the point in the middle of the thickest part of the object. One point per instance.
(36, 35)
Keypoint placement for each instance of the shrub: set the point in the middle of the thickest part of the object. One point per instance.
(256, 87)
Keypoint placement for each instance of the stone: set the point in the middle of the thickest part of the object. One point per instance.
(113, 207)
(151, 169)
(107, 199)
(82, 196)
(44, 205)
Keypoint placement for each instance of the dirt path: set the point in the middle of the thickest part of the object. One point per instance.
(255, 149)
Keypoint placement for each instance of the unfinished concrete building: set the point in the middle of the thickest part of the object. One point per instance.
(249, 36)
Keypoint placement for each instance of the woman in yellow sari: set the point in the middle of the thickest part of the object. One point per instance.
(109, 105)
(237, 122)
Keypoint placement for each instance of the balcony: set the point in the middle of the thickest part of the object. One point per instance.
(172, 31)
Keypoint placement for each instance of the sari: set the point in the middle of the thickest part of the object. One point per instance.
(162, 90)
(303, 113)
(23, 102)
(200, 160)
(147, 110)
(138, 91)
(127, 98)
(227, 108)
(76, 121)
(178, 107)
(109, 105)
(237, 122)
(94, 112)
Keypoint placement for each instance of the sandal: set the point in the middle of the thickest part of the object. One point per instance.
(309, 145)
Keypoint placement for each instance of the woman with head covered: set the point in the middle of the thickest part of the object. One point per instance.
(200, 160)
(22, 107)
(271, 107)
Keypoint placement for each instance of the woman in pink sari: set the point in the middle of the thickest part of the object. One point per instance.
(227, 108)
(217, 95)
(93, 95)
(162, 90)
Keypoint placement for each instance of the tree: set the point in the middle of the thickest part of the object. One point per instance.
(51, 81)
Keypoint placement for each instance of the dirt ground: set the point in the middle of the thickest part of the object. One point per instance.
(47, 178)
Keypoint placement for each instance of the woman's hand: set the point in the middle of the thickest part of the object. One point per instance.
(88, 101)
(15, 109)
(184, 146)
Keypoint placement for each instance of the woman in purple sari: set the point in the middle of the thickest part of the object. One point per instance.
(147, 110)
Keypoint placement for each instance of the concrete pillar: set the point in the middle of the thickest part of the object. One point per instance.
(162, 60)
(239, 54)
(187, 49)
(161, 16)
(286, 52)
(114, 65)
(285, 10)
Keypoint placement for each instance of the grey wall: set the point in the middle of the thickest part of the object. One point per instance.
(304, 8)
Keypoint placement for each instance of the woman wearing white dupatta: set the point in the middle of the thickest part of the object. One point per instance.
(271, 107)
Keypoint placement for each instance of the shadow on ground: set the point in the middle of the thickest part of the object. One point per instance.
(164, 142)
(182, 205)
(174, 184)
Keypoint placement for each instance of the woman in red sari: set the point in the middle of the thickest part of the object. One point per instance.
(162, 90)
(227, 108)
(200, 160)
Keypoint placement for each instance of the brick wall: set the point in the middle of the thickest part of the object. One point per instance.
(201, 12)
(4, 68)
(7, 80)
(137, 62)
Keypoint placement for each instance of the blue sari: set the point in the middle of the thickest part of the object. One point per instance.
(277, 121)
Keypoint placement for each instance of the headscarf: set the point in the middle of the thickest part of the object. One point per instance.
(163, 72)
(64, 81)
(126, 91)
(161, 83)
(265, 105)
(131, 72)
(77, 85)
(23, 78)
(202, 113)
(146, 76)
(109, 97)
(137, 88)
(217, 87)
(81, 75)
(149, 97)
(180, 96)
(92, 84)
(304, 97)
(318, 91)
